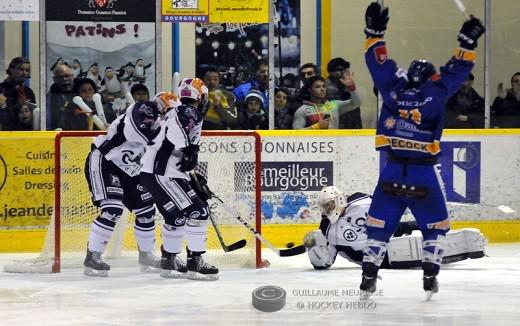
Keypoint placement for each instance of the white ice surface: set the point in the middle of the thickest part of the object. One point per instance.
(473, 292)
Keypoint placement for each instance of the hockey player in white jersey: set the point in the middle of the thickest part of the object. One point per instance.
(342, 232)
(165, 172)
(112, 171)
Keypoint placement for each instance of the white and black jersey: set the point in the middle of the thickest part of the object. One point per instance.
(180, 127)
(127, 137)
(112, 167)
(348, 234)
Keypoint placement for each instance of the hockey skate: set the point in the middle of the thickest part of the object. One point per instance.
(94, 265)
(148, 262)
(172, 266)
(367, 287)
(430, 285)
(198, 269)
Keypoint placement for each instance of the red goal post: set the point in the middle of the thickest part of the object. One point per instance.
(231, 162)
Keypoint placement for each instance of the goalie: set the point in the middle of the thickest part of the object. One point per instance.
(342, 231)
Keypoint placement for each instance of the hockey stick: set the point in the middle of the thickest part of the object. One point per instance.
(234, 246)
(280, 252)
(462, 8)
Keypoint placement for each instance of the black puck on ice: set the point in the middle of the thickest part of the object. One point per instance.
(290, 244)
(269, 298)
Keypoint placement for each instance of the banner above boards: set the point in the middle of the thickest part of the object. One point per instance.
(215, 11)
(27, 10)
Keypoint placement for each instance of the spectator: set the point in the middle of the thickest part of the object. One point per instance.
(24, 117)
(318, 113)
(253, 116)
(5, 114)
(140, 92)
(339, 84)
(14, 91)
(59, 96)
(465, 109)
(220, 112)
(282, 113)
(259, 82)
(307, 71)
(75, 118)
(506, 106)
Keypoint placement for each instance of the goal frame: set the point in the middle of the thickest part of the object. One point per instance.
(56, 265)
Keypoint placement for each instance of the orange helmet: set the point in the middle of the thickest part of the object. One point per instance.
(166, 101)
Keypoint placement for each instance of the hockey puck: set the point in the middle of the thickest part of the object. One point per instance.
(290, 244)
(269, 298)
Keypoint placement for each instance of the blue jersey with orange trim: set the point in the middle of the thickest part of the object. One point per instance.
(412, 119)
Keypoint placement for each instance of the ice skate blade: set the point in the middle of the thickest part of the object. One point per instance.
(365, 295)
(149, 269)
(167, 273)
(95, 273)
(201, 277)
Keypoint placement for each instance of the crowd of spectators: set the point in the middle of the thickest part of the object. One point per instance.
(306, 101)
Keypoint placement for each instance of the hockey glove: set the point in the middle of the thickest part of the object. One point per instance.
(189, 159)
(469, 33)
(199, 183)
(376, 19)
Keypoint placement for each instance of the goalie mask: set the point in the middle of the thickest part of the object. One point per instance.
(166, 101)
(419, 72)
(331, 202)
(195, 89)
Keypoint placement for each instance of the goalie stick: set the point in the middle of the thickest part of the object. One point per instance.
(232, 247)
(280, 252)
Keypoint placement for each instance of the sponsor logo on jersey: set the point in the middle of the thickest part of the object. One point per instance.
(114, 190)
(107, 216)
(114, 181)
(194, 215)
(376, 223)
(350, 235)
(390, 123)
(180, 221)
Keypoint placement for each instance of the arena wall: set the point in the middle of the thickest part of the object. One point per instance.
(480, 171)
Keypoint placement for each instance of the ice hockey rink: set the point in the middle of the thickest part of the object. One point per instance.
(472, 292)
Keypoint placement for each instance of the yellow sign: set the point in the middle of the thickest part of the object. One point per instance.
(179, 11)
(26, 179)
(239, 11)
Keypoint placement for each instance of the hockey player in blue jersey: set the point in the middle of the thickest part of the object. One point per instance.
(409, 130)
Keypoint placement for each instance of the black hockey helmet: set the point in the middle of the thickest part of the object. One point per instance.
(419, 72)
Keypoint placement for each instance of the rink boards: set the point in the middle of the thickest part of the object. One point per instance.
(479, 169)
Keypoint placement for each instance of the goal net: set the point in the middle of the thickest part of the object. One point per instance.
(230, 161)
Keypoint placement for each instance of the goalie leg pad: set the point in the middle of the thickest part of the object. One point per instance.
(463, 244)
(197, 227)
(405, 251)
(103, 226)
